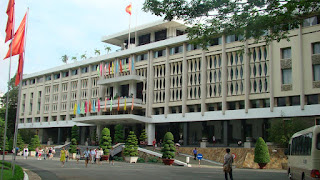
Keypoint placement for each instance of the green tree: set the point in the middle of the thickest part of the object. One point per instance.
(281, 131)
(74, 58)
(105, 140)
(97, 52)
(1, 136)
(35, 142)
(107, 48)
(143, 135)
(209, 19)
(64, 58)
(84, 56)
(131, 146)
(118, 134)
(27, 135)
(20, 143)
(168, 150)
(261, 152)
(73, 146)
(75, 133)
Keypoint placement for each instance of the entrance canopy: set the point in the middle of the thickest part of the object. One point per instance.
(112, 119)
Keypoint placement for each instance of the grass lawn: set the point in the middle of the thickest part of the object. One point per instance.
(7, 172)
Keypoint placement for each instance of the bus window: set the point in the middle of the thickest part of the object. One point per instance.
(318, 141)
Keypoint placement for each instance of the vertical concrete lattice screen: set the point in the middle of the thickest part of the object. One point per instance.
(259, 65)
(176, 81)
(235, 79)
(143, 72)
(194, 78)
(159, 83)
(64, 97)
(214, 80)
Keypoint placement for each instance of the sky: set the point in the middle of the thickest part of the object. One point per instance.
(71, 27)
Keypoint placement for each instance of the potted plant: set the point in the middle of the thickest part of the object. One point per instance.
(168, 150)
(105, 143)
(35, 142)
(73, 148)
(261, 153)
(131, 148)
(143, 138)
(118, 134)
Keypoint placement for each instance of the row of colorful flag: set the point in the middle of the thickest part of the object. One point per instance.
(115, 67)
(85, 107)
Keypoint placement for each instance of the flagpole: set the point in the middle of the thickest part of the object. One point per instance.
(7, 101)
(129, 29)
(19, 95)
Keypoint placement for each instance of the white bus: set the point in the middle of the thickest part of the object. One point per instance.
(304, 154)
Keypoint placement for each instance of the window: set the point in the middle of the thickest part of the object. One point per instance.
(84, 70)
(231, 105)
(94, 67)
(179, 32)
(281, 101)
(286, 76)
(32, 81)
(142, 57)
(24, 83)
(316, 48)
(160, 53)
(176, 50)
(312, 99)
(216, 41)
(311, 21)
(144, 39)
(65, 74)
(191, 47)
(233, 38)
(74, 72)
(286, 53)
(48, 78)
(56, 76)
(161, 35)
(255, 103)
(301, 145)
(295, 100)
(316, 72)
(40, 80)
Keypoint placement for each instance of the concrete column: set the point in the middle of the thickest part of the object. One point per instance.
(152, 37)
(136, 41)
(203, 82)
(59, 98)
(167, 84)
(246, 76)
(225, 133)
(101, 88)
(51, 99)
(133, 60)
(78, 89)
(42, 102)
(150, 84)
(59, 135)
(98, 131)
(68, 97)
(301, 77)
(150, 129)
(224, 75)
(185, 133)
(133, 88)
(270, 56)
(89, 92)
(184, 80)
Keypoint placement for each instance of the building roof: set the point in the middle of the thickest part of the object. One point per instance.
(118, 38)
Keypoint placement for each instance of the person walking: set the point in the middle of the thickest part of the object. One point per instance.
(86, 155)
(111, 155)
(78, 154)
(227, 165)
(67, 155)
(37, 152)
(99, 153)
(50, 153)
(92, 155)
(25, 152)
(62, 156)
(154, 144)
(195, 152)
(46, 152)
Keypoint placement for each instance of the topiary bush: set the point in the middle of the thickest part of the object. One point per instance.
(141, 160)
(118, 134)
(75, 133)
(35, 142)
(105, 141)
(168, 150)
(143, 135)
(261, 152)
(73, 146)
(131, 146)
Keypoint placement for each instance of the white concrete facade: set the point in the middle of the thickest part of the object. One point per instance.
(174, 82)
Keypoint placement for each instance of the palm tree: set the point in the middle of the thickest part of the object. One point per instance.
(97, 51)
(107, 48)
(83, 56)
(74, 58)
(64, 58)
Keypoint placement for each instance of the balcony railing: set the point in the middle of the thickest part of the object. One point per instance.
(136, 103)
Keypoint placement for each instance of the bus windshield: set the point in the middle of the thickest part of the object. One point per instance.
(302, 144)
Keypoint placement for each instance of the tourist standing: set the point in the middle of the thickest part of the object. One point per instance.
(46, 152)
(37, 152)
(111, 155)
(86, 155)
(154, 144)
(62, 156)
(227, 165)
(67, 155)
(25, 152)
(98, 155)
(195, 152)
(78, 154)
(92, 155)
(50, 153)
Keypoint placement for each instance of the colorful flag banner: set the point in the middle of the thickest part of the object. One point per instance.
(132, 103)
(120, 66)
(117, 66)
(128, 9)
(130, 65)
(19, 72)
(109, 68)
(98, 105)
(112, 67)
(101, 69)
(86, 107)
(105, 69)
(78, 109)
(98, 69)
(75, 109)
(125, 65)
(82, 108)
(93, 105)
(132, 62)
(10, 22)
(125, 104)
(90, 106)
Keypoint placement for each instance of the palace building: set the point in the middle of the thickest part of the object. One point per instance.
(160, 82)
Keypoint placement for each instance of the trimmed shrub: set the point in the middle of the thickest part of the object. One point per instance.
(131, 146)
(116, 158)
(153, 160)
(261, 152)
(143, 135)
(35, 142)
(118, 134)
(75, 133)
(141, 160)
(105, 141)
(168, 150)
(73, 146)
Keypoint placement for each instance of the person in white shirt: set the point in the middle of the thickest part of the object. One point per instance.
(86, 155)
(25, 152)
(98, 155)
(93, 155)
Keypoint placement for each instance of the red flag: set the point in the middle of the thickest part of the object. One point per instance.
(128, 9)
(120, 66)
(109, 68)
(132, 103)
(10, 22)
(18, 40)
(118, 103)
(19, 72)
